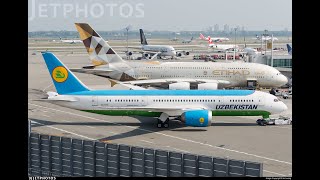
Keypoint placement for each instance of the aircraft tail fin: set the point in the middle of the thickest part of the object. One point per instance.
(210, 40)
(63, 79)
(100, 52)
(202, 36)
(289, 49)
(143, 38)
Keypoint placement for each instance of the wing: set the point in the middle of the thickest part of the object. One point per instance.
(92, 71)
(169, 81)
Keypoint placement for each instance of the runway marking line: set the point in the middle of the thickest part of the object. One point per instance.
(64, 130)
(90, 127)
(178, 149)
(175, 137)
(274, 173)
(147, 141)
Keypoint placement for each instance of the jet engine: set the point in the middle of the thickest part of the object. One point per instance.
(186, 53)
(179, 86)
(147, 56)
(129, 53)
(208, 86)
(178, 54)
(197, 118)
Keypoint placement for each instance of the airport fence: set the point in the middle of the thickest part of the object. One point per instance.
(62, 156)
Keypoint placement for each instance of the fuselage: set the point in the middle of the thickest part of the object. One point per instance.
(222, 46)
(153, 102)
(236, 73)
(164, 49)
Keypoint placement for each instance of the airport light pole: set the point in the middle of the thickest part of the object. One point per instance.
(265, 33)
(272, 50)
(127, 29)
(235, 43)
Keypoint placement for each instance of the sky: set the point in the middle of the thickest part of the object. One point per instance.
(171, 15)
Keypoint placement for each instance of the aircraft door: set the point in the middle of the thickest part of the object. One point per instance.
(94, 100)
(261, 100)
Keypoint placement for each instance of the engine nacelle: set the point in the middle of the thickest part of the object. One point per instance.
(208, 86)
(197, 118)
(178, 54)
(186, 53)
(179, 86)
(129, 53)
(146, 55)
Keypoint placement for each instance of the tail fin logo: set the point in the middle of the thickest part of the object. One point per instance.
(60, 74)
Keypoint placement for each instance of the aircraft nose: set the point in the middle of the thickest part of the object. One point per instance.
(174, 53)
(284, 107)
(284, 79)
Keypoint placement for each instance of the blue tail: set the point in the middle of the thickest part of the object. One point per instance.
(64, 80)
(289, 49)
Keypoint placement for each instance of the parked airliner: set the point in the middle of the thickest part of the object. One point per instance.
(172, 75)
(193, 108)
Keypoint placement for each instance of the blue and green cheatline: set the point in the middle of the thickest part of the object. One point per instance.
(264, 114)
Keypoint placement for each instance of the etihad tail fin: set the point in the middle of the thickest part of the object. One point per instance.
(63, 79)
(143, 38)
(100, 52)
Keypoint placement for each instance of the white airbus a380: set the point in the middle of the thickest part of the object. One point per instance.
(172, 75)
(193, 107)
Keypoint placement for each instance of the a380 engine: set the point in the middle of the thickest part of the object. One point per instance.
(197, 118)
(186, 86)
(179, 86)
(208, 86)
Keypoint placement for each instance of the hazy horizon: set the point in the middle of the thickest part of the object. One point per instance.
(164, 15)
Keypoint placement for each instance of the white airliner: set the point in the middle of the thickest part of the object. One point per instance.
(265, 38)
(161, 51)
(172, 75)
(193, 108)
(214, 39)
(71, 41)
(221, 47)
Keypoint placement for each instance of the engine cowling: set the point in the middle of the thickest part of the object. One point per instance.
(178, 54)
(129, 53)
(186, 53)
(208, 86)
(146, 55)
(179, 86)
(197, 118)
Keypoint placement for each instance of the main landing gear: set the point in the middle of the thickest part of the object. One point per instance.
(164, 124)
(163, 121)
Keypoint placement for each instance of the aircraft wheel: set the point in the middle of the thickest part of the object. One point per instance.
(166, 123)
(159, 124)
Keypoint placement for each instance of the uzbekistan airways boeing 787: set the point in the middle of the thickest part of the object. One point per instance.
(193, 107)
(172, 75)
